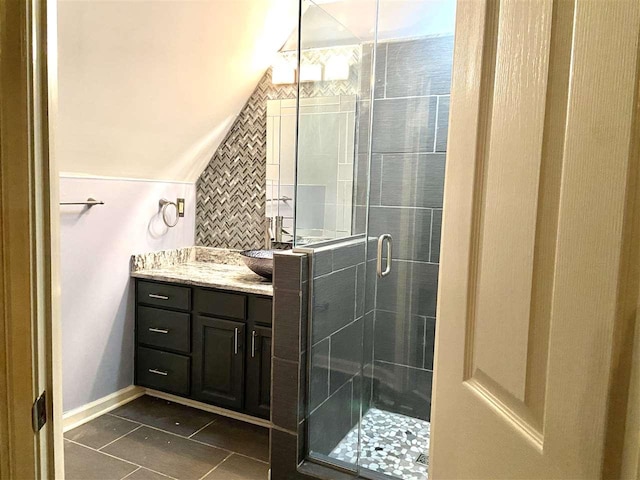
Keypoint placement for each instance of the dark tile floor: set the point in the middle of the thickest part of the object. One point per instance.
(153, 439)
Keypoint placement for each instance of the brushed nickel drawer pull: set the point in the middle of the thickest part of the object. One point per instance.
(253, 343)
(235, 341)
(159, 330)
(158, 372)
(159, 297)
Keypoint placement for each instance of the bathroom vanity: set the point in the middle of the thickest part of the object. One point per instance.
(203, 330)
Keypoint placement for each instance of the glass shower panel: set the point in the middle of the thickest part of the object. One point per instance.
(331, 94)
(371, 415)
(330, 73)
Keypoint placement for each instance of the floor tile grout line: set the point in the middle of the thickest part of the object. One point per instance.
(193, 439)
(201, 429)
(121, 436)
(251, 458)
(223, 460)
(201, 443)
(129, 474)
(121, 459)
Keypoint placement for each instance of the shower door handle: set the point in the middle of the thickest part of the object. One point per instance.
(381, 240)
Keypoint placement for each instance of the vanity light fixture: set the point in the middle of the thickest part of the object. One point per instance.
(283, 73)
(310, 72)
(336, 68)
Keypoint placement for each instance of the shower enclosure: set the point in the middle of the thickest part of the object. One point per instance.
(375, 239)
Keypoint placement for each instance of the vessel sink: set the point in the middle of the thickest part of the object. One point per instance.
(259, 261)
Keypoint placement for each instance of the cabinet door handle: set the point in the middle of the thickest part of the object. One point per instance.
(158, 372)
(159, 297)
(253, 343)
(158, 330)
(235, 341)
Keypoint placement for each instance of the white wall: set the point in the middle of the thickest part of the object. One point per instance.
(96, 292)
(147, 89)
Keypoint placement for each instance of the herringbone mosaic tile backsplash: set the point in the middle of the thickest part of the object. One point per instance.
(231, 192)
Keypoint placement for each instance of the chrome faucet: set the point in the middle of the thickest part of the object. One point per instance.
(278, 232)
(268, 232)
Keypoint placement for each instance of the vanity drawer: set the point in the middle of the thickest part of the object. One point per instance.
(164, 371)
(164, 329)
(163, 295)
(260, 310)
(219, 304)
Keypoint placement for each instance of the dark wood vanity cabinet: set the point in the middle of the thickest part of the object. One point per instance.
(258, 392)
(205, 344)
(218, 362)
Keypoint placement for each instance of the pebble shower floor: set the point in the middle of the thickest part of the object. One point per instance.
(391, 445)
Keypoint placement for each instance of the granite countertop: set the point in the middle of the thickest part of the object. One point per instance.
(200, 266)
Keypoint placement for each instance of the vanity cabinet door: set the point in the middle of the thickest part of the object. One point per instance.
(218, 361)
(259, 372)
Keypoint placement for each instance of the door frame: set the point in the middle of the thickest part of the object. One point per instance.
(29, 235)
(29, 326)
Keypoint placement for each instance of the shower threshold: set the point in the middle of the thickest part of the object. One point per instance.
(393, 445)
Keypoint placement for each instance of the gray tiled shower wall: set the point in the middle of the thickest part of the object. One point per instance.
(345, 303)
(409, 141)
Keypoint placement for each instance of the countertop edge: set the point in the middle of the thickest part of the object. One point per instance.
(266, 292)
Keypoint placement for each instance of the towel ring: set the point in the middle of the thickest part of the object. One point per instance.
(164, 203)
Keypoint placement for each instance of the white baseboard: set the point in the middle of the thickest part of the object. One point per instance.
(78, 416)
(81, 415)
(209, 408)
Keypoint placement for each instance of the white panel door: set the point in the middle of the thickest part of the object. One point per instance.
(537, 192)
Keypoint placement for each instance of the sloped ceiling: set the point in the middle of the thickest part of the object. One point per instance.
(147, 89)
(347, 22)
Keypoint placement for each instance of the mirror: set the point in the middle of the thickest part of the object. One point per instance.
(325, 186)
